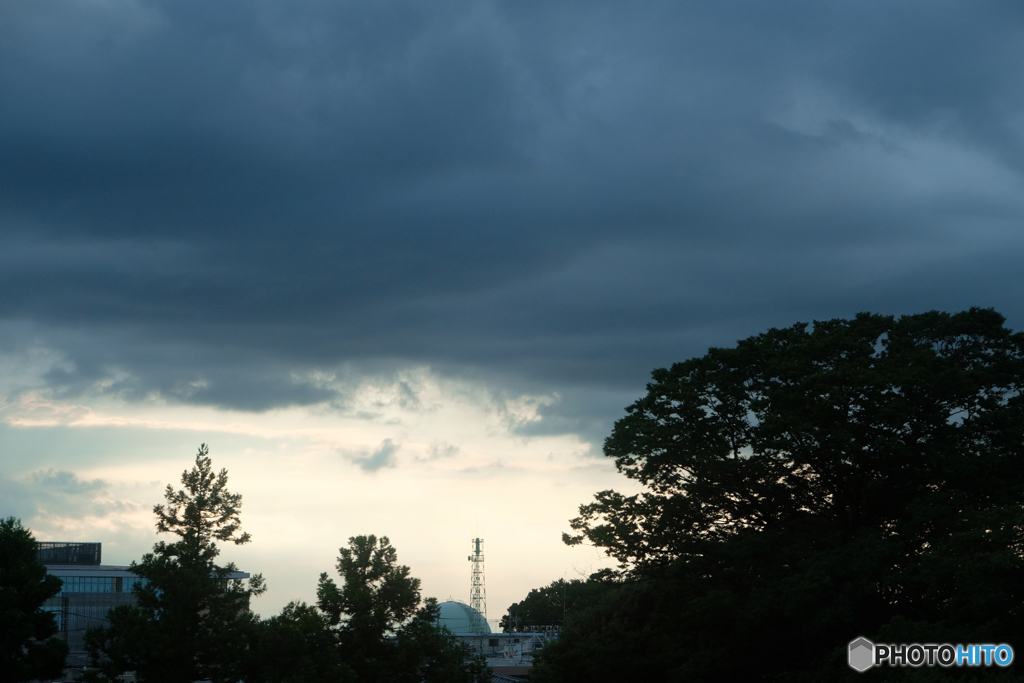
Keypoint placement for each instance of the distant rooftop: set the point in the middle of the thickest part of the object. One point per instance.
(70, 559)
(461, 618)
(68, 553)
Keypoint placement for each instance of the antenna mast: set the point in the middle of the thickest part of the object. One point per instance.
(477, 588)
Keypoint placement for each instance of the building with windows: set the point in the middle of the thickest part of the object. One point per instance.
(509, 654)
(90, 590)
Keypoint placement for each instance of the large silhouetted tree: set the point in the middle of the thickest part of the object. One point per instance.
(811, 485)
(191, 618)
(28, 650)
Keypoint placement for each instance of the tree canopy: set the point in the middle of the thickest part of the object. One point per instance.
(190, 620)
(377, 594)
(550, 605)
(383, 631)
(28, 649)
(296, 646)
(826, 481)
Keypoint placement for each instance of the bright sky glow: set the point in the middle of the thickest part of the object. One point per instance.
(309, 481)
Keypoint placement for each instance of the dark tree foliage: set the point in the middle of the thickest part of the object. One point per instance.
(428, 653)
(548, 606)
(191, 618)
(296, 646)
(28, 650)
(382, 632)
(812, 485)
(377, 595)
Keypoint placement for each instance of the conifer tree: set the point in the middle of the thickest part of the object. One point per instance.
(190, 620)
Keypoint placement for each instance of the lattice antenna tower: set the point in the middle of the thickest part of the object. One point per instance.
(477, 588)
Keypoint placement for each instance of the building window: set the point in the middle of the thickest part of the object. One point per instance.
(98, 584)
(493, 642)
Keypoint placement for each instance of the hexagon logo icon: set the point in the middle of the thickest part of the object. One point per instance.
(862, 654)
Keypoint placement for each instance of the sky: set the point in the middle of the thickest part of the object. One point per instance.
(402, 265)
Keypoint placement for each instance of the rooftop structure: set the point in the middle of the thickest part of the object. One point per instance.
(462, 618)
(507, 654)
(60, 552)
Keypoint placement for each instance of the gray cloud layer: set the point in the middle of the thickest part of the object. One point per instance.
(54, 492)
(213, 196)
(383, 456)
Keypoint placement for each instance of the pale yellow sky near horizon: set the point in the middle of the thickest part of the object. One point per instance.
(449, 464)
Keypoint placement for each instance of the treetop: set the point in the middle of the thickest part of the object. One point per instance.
(840, 420)
(204, 510)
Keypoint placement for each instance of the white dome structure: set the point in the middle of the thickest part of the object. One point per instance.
(461, 618)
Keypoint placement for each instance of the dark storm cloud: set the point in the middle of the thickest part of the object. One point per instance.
(215, 198)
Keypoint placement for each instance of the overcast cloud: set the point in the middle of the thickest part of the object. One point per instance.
(457, 234)
(204, 199)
